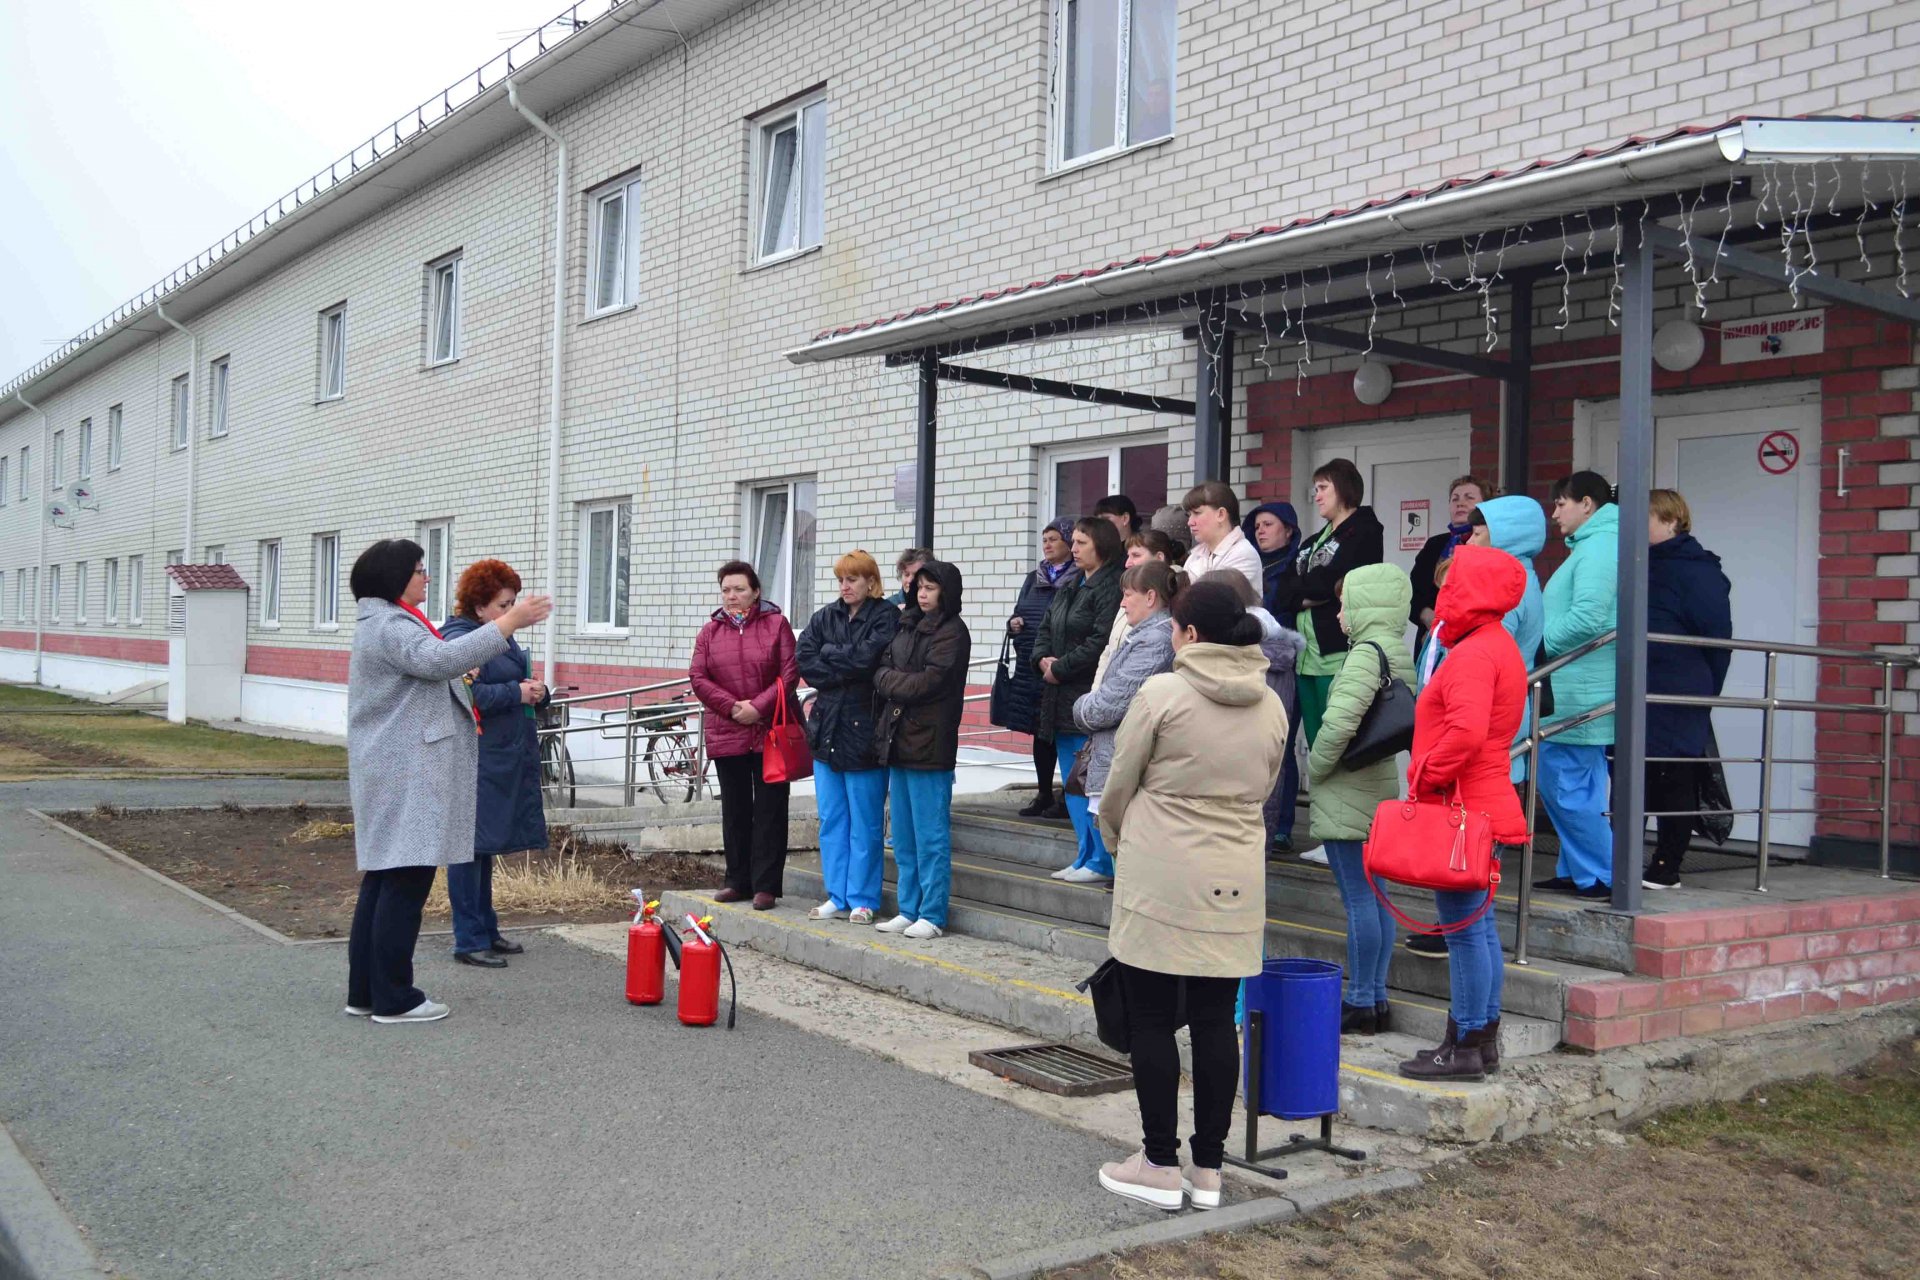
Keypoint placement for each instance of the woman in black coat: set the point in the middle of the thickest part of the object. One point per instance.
(1073, 635)
(837, 654)
(1017, 686)
(508, 815)
(1687, 595)
(1350, 537)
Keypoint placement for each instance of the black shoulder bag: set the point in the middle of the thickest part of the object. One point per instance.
(1387, 728)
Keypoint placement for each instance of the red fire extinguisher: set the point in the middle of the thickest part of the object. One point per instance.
(700, 958)
(646, 954)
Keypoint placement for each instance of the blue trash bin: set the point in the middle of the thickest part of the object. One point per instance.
(1299, 1006)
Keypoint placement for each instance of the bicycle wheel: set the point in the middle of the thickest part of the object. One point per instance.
(556, 773)
(672, 763)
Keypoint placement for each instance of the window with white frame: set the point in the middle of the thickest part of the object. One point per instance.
(443, 312)
(85, 470)
(613, 258)
(182, 410)
(326, 580)
(5, 461)
(176, 557)
(1075, 477)
(333, 352)
(136, 589)
(53, 593)
(1113, 75)
(80, 592)
(604, 558)
(217, 380)
(436, 541)
(789, 187)
(778, 524)
(27, 599)
(270, 583)
(25, 452)
(216, 554)
(113, 591)
(115, 420)
(57, 477)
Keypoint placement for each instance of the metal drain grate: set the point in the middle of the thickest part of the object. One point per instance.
(1055, 1068)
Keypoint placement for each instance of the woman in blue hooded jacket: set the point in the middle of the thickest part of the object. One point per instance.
(1274, 531)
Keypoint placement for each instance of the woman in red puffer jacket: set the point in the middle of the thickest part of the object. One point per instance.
(1464, 725)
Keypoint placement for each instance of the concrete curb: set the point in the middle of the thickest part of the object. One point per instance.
(38, 1241)
(1186, 1226)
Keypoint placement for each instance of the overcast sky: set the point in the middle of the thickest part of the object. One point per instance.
(136, 133)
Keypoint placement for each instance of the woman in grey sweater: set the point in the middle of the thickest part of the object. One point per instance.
(1146, 590)
(412, 762)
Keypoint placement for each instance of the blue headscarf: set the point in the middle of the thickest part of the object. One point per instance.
(1054, 572)
(1274, 565)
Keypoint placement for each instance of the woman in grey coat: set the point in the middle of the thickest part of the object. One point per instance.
(412, 759)
(1146, 590)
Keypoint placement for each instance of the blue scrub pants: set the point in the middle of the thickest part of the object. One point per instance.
(922, 841)
(1093, 850)
(1574, 785)
(853, 810)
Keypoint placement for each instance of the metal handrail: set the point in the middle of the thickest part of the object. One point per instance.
(1768, 704)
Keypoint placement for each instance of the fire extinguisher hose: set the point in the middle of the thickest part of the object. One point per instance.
(733, 986)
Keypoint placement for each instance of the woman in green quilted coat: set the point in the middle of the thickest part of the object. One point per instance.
(1375, 600)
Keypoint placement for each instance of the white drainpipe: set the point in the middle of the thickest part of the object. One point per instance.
(40, 574)
(193, 402)
(554, 401)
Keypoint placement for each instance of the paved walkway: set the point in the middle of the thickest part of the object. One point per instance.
(193, 1095)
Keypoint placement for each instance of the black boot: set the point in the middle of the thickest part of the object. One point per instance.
(1452, 1038)
(1358, 1020)
(1426, 944)
(1042, 801)
(1460, 1061)
(1383, 1017)
(1490, 1047)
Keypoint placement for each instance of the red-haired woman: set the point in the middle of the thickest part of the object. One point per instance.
(507, 812)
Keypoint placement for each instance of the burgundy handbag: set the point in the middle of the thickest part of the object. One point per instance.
(1431, 844)
(784, 756)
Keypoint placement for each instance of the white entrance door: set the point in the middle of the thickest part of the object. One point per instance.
(1764, 526)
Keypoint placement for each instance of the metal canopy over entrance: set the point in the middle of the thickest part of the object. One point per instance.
(1696, 196)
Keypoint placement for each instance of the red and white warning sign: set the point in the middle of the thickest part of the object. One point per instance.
(1416, 523)
(1779, 452)
(1794, 333)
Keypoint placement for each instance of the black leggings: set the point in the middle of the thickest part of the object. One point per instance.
(1157, 1006)
(1673, 786)
(1044, 760)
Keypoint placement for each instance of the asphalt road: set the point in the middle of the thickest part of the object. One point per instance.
(194, 1096)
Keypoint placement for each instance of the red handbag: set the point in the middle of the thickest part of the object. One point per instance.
(1431, 844)
(784, 756)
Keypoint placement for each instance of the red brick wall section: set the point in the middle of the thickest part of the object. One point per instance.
(113, 648)
(326, 665)
(1706, 971)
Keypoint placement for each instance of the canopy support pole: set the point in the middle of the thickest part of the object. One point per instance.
(1630, 647)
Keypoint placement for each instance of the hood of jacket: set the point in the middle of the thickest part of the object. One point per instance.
(1603, 523)
(760, 610)
(1284, 512)
(1517, 524)
(945, 576)
(1682, 547)
(1377, 599)
(1234, 675)
(1483, 586)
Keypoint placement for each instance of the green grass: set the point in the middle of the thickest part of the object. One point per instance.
(61, 742)
(26, 695)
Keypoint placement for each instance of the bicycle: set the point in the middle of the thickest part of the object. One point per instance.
(557, 786)
(676, 763)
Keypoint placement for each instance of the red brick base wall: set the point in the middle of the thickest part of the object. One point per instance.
(1705, 971)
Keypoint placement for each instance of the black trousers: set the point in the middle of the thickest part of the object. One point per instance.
(386, 924)
(1044, 761)
(1158, 1004)
(1672, 786)
(753, 825)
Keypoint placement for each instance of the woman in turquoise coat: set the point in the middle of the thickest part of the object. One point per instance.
(1581, 601)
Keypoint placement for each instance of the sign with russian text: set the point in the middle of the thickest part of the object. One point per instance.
(1416, 523)
(1781, 337)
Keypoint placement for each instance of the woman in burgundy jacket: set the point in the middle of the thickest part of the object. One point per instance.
(742, 651)
(1463, 727)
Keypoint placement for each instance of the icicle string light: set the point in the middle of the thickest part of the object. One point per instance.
(1566, 278)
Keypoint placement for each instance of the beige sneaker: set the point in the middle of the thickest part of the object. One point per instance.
(1148, 1183)
(1202, 1187)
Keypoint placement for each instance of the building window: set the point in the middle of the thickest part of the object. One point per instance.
(27, 595)
(443, 311)
(1076, 477)
(176, 557)
(1113, 75)
(136, 589)
(4, 461)
(270, 583)
(217, 385)
(333, 352)
(113, 592)
(778, 543)
(614, 254)
(25, 451)
(604, 532)
(114, 419)
(436, 539)
(85, 471)
(216, 554)
(80, 592)
(182, 410)
(326, 580)
(789, 167)
(57, 477)
(53, 593)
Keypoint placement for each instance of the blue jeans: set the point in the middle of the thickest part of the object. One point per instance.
(1370, 931)
(470, 891)
(852, 819)
(1478, 968)
(1093, 850)
(1574, 787)
(1284, 802)
(922, 842)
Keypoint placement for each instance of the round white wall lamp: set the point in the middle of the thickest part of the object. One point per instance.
(1678, 345)
(1372, 382)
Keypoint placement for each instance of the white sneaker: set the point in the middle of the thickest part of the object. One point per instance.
(1085, 875)
(358, 1011)
(923, 929)
(1315, 855)
(1062, 873)
(1202, 1187)
(899, 924)
(825, 911)
(425, 1011)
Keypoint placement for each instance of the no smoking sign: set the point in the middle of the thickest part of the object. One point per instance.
(1779, 453)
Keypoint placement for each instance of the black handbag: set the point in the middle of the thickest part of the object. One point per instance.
(1710, 784)
(997, 709)
(1076, 783)
(1109, 1005)
(1387, 728)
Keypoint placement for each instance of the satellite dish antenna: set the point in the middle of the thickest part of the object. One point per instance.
(84, 499)
(59, 516)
